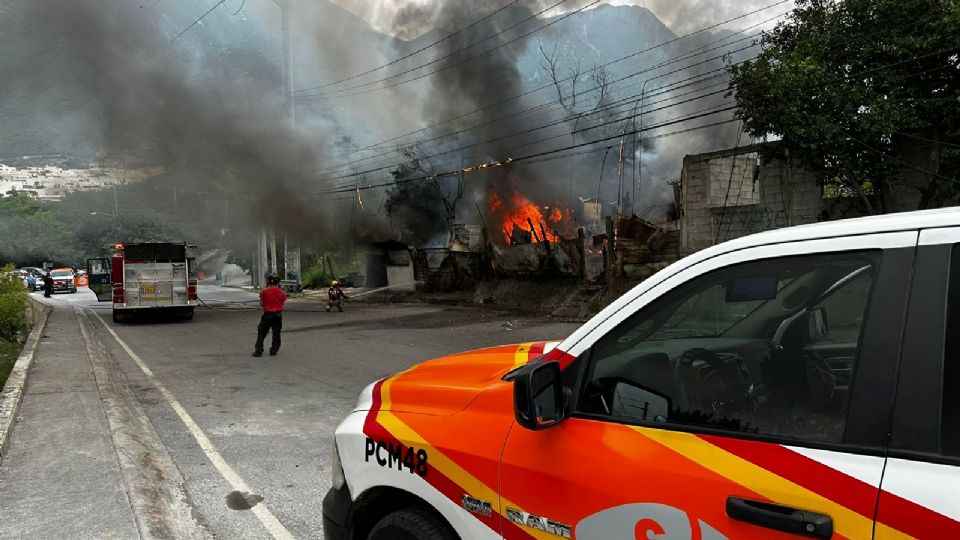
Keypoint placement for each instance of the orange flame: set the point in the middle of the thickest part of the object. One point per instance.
(520, 212)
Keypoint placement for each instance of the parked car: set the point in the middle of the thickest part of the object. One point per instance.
(37, 278)
(802, 381)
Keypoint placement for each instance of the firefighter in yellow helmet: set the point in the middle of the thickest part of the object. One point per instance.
(335, 296)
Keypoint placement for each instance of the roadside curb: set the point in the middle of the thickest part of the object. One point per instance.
(12, 394)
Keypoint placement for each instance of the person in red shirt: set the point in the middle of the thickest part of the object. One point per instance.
(272, 299)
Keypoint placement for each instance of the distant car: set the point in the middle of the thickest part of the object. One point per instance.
(28, 272)
(63, 280)
(37, 272)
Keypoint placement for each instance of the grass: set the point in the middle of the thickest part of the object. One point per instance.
(8, 357)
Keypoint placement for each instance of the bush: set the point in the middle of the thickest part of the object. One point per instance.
(13, 320)
(13, 307)
(315, 278)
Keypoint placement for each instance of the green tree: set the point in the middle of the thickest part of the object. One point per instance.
(862, 93)
(31, 234)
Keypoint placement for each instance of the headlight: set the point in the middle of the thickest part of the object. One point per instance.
(336, 469)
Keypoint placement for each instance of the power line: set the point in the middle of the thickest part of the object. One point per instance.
(839, 79)
(338, 94)
(925, 139)
(526, 132)
(554, 123)
(894, 158)
(842, 78)
(535, 90)
(196, 22)
(418, 51)
(685, 56)
(621, 102)
(532, 158)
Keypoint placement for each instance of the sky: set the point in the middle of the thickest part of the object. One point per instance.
(681, 16)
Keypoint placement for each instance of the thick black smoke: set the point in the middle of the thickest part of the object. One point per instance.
(481, 74)
(101, 77)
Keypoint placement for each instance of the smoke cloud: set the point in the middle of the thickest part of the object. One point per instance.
(107, 77)
(118, 85)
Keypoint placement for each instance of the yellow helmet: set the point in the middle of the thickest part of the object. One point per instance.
(334, 283)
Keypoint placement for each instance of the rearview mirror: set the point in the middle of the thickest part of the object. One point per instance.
(751, 289)
(538, 396)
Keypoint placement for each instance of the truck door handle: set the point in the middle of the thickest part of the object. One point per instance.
(781, 518)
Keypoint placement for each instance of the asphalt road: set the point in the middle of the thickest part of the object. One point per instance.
(222, 415)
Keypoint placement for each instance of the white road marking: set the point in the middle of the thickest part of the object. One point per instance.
(266, 517)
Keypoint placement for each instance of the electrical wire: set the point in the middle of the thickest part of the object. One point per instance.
(689, 54)
(418, 51)
(196, 22)
(642, 51)
(338, 93)
(535, 90)
(686, 56)
(511, 160)
(838, 79)
(366, 171)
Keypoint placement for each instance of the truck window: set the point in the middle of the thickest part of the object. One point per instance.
(950, 419)
(766, 347)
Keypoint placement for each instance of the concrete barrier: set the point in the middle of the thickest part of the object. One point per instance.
(12, 394)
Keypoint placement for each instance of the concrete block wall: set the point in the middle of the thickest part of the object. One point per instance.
(717, 206)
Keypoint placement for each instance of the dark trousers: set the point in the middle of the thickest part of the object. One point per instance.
(269, 321)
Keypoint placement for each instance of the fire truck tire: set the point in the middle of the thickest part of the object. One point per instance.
(117, 317)
(411, 524)
(73, 290)
(187, 314)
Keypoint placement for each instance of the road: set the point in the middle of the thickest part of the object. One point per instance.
(225, 417)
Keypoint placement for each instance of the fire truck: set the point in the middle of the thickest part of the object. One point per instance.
(146, 277)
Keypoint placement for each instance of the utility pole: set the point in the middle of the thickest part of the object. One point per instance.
(291, 251)
(261, 257)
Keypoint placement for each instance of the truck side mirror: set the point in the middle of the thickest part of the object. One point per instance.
(538, 398)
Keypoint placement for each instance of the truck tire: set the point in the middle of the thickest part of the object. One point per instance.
(73, 290)
(187, 314)
(117, 318)
(411, 524)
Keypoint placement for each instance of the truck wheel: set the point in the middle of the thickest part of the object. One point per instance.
(117, 318)
(187, 314)
(73, 290)
(411, 524)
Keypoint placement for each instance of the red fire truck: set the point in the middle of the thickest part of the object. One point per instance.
(146, 277)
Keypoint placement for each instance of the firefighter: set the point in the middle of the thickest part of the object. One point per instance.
(335, 296)
(272, 299)
(47, 285)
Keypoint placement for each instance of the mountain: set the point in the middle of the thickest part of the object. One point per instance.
(595, 37)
